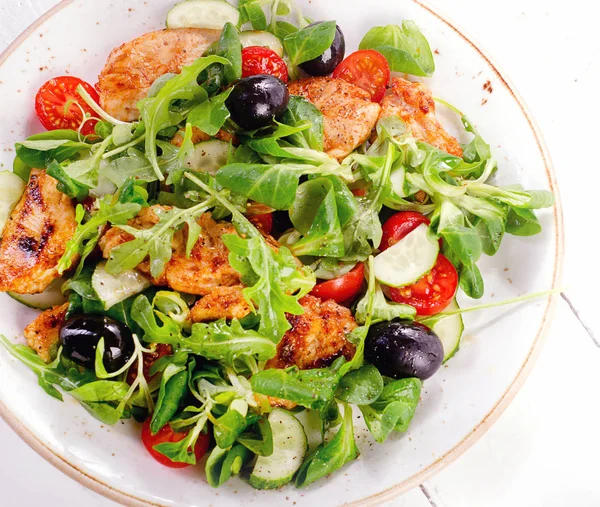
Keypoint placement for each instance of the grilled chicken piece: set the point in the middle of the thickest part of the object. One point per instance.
(132, 67)
(348, 113)
(199, 136)
(35, 235)
(42, 333)
(208, 266)
(317, 337)
(414, 104)
(221, 303)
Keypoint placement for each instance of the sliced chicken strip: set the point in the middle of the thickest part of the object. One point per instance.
(414, 104)
(42, 333)
(35, 236)
(348, 113)
(132, 67)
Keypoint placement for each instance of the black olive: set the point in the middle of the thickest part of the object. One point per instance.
(404, 349)
(326, 63)
(80, 335)
(256, 100)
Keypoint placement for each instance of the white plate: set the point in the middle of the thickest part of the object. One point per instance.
(458, 404)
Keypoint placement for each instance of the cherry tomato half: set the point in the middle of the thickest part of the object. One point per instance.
(263, 222)
(341, 289)
(261, 60)
(399, 225)
(168, 435)
(59, 106)
(368, 69)
(432, 293)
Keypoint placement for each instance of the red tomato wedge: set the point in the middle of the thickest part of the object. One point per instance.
(341, 289)
(263, 222)
(59, 106)
(261, 60)
(399, 225)
(166, 434)
(367, 69)
(432, 293)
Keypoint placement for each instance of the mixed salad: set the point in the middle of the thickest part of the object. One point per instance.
(240, 223)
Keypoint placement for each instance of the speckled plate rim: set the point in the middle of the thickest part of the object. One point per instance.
(485, 424)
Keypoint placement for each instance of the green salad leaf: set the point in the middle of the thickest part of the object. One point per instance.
(331, 456)
(405, 48)
(172, 104)
(310, 42)
(394, 408)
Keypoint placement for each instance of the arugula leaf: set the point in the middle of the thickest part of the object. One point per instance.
(405, 48)
(210, 116)
(156, 241)
(309, 388)
(271, 277)
(298, 112)
(360, 387)
(159, 112)
(394, 409)
(331, 456)
(310, 42)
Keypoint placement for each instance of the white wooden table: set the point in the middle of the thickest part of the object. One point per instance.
(544, 451)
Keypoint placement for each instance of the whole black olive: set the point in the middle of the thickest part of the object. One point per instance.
(326, 63)
(404, 349)
(256, 100)
(79, 337)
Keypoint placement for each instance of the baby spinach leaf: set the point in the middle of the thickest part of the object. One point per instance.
(331, 456)
(300, 111)
(394, 409)
(382, 310)
(260, 439)
(40, 149)
(405, 48)
(309, 388)
(310, 42)
(471, 281)
(173, 388)
(159, 113)
(210, 116)
(465, 242)
(282, 29)
(228, 428)
(251, 11)
(228, 46)
(522, 222)
(360, 387)
(223, 464)
(324, 236)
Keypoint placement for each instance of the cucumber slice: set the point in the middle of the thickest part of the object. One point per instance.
(11, 190)
(289, 447)
(209, 156)
(212, 14)
(408, 260)
(448, 329)
(50, 298)
(261, 38)
(112, 289)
